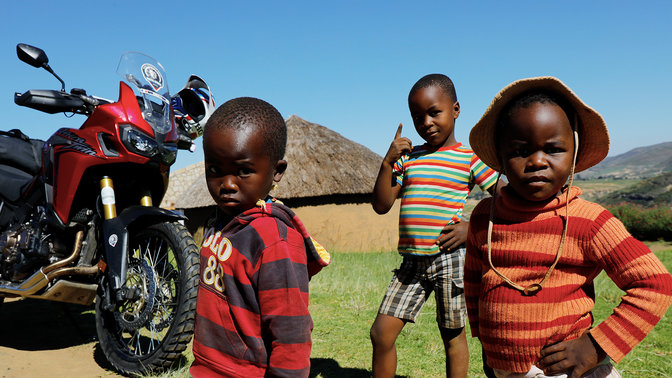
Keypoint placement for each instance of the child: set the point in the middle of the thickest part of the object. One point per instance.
(534, 249)
(252, 315)
(434, 180)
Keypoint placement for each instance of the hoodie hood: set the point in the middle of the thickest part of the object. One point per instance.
(317, 255)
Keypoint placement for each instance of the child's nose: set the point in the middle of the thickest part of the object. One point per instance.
(228, 183)
(537, 160)
(427, 121)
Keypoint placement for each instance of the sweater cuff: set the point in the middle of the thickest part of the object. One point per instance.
(615, 353)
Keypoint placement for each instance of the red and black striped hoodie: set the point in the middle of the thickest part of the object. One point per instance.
(252, 316)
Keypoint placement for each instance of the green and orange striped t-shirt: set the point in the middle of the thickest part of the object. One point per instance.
(435, 185)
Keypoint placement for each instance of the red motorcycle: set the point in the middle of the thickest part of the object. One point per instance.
(78, 215)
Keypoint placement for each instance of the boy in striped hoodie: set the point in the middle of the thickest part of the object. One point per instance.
(434, 180)
(534, 249)
(252, 316)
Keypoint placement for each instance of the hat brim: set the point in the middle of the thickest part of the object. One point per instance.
(592, 130)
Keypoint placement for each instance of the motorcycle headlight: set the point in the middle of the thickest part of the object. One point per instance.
(139, 142)
(169, 153)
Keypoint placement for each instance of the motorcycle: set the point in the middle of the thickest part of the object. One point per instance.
(78, 220)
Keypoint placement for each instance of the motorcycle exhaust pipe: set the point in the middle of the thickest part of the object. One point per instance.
(42, 277)
(79, 238)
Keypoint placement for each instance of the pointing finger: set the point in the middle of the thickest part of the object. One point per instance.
(398, 134)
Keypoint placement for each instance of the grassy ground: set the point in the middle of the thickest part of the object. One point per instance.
(345, 298)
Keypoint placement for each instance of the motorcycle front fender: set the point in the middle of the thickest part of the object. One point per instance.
(115, 238)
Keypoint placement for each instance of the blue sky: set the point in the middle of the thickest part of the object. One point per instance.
(348, 65)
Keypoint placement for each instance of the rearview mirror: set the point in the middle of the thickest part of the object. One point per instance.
(32, 55)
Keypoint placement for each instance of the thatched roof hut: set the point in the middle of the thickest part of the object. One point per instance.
(320, 162)
(325, 172)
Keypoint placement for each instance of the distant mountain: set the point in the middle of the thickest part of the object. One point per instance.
(642, 162)
(652, 191)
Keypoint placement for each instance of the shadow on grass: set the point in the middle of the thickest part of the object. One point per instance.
(329, 368)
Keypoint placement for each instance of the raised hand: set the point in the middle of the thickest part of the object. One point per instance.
(400, 145)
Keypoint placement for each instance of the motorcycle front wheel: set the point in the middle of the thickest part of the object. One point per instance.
(149, 332)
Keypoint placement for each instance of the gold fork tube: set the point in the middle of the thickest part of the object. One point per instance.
(107, 197)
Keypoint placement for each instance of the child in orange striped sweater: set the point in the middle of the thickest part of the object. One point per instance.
(534, 249)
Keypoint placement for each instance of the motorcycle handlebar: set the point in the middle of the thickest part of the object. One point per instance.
(51, 101)
(184, 142)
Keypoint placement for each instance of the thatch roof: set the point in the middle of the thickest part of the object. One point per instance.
(320, 162)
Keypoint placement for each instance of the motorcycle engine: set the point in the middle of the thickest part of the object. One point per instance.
(23, 250)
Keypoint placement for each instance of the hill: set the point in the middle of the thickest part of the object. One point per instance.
(649, 192)
(641, 162)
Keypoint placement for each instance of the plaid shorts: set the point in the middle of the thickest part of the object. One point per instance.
(415, 280)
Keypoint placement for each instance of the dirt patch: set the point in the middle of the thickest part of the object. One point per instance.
(659, 246)
(49, 339)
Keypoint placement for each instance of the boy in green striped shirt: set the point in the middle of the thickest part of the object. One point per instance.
(434, 180)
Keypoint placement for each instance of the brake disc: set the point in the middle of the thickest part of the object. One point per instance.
(165, 299)
(134, 313)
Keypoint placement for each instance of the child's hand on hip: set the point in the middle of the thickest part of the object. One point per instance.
(400, 145)
(574, 356)
(452, 236)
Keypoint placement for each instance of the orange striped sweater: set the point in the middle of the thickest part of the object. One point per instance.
(513, 328)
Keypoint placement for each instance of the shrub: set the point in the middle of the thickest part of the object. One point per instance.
(652, 223)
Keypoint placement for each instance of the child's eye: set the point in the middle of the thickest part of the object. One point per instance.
(519, 152)
(245, 172)
(212, 170)
(434, 113)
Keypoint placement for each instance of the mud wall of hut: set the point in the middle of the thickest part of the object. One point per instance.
(339, 227)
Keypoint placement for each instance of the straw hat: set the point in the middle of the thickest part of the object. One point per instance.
(593, 134)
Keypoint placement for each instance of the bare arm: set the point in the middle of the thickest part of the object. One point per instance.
(454, 234)
(386, 188)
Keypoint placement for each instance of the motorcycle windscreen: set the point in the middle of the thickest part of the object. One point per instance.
(147, 78)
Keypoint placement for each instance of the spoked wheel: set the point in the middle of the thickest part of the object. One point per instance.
(150, 331)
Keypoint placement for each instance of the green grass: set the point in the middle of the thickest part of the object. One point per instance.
(344, 301)
(653, 356)
(345, 298)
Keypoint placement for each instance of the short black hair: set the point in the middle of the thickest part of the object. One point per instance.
(243, 112)
(440, 80)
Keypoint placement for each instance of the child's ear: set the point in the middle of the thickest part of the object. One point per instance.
(456, 109)
(279, 170)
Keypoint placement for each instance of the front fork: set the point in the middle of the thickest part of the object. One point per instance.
(109, 202)
(115, 237)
